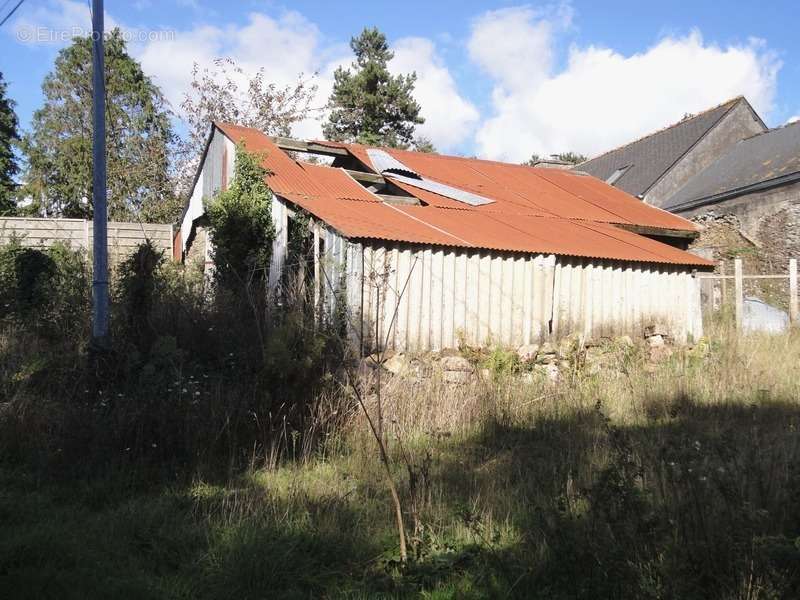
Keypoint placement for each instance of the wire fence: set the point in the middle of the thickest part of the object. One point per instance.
(716, 289)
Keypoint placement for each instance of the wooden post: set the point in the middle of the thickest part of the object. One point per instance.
(793, 309)
(739, 289)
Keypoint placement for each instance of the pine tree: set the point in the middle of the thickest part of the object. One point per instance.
(9, 136)
(368, 104)
(138, 138)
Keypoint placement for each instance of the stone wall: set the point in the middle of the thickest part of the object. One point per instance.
(196, 252)
(762, 228)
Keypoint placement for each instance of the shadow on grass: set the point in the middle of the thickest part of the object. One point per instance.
(71, 541)
(696, 501)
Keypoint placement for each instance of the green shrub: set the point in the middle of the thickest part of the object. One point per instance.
(240, 223)
(136, 289)
(44, 288)
(502, 362)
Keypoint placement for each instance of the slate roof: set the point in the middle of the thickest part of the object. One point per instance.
(648, 158)
(766, 159)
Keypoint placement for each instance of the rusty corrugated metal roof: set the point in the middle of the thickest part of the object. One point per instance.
(519, 189)
(338, 184)
(532, 213)
(286, 177)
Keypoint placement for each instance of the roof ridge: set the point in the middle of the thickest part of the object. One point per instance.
(436, 154)
(731, 101)
(771, 130)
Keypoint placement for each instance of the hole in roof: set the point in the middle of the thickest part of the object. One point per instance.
(388, 166)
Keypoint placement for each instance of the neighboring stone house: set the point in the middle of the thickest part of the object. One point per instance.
(725, 170)
(753, 187)
(655, 167)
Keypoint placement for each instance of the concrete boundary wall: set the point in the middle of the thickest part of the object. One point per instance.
(123, 238)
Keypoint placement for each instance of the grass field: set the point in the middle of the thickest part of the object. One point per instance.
(675, 481)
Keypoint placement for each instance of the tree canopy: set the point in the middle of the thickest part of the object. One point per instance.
(216, 95)
(424, 144)
(138, 138)
(368, 104)
(570, 157)
(9, 136)
(573, 158)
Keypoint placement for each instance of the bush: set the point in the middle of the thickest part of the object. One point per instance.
(44, 289)
(136, 290)
(240, 220)
(195, 380)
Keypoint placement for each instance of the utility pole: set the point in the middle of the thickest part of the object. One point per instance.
(100, 331)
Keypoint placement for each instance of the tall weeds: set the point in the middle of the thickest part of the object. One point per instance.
(626, 479)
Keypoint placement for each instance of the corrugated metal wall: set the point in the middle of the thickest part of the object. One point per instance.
(431, 298)
(217, 169)
(77, 233)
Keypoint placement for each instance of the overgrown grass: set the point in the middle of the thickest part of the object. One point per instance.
(674, 481)
(218, 452)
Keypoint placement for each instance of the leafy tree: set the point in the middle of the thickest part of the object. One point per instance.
(216, 95)
(572, 158)
(9, 136)
(240, 222)
(368, 104)
(138, 138)
(424, 144)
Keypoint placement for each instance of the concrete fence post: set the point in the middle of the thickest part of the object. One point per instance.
(739, 290)
(793, 309)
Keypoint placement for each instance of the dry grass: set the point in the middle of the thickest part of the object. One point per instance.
(673, 481)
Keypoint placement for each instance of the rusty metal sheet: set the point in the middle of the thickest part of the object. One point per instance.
(535, 210)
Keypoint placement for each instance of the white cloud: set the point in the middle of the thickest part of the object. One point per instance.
(515, 45)
(56, 22)
(602, 98)
(289, 45)
(449, 117)
(793, 119)
(286, 47)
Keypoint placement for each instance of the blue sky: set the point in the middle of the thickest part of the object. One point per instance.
(500, 80)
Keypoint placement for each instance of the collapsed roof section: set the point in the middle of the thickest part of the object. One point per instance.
(521, 209)
(388, 166)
